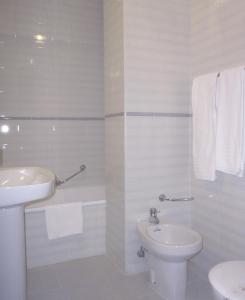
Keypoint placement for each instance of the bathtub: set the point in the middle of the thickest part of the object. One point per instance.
(89, 195)
(41, 251)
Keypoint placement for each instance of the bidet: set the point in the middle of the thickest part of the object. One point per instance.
(169, 246)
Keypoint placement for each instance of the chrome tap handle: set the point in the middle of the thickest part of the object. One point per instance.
(153, 212)
(153, 219)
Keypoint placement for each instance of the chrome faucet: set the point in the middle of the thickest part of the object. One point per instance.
(153, 219)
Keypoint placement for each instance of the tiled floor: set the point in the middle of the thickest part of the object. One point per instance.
(95, 279)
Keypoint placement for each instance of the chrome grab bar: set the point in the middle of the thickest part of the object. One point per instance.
(163, 197)
(59, 182)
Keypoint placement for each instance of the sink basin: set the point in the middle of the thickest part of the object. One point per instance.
(24, 184)
(18, 186)
(174, 242)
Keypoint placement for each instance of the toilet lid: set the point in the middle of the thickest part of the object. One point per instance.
(228, 279)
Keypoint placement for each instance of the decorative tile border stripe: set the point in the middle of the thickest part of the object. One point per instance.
(157, 114)
(149, 114)
(114, 115)
(3, 118)
(120, 114)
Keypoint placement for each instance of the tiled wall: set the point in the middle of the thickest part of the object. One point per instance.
(147, 88)
(51, 87)
(157, 56)
(164, 42)
(115, 191)
(113, 56)
(42, 251)
(219, 208)
(51, 71)
(147, 105)
(157, 88)
(114, 131)
(61, 146)
(158, 159)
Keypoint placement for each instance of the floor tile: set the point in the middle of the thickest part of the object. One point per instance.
(150, 297)
(95, 278)
(199, 291)
(43, 279)
(51, 295)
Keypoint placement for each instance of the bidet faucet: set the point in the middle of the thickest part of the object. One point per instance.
(153, 219)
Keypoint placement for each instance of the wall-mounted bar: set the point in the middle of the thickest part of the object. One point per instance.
(59, 182)
(218, 75)
(163, 197)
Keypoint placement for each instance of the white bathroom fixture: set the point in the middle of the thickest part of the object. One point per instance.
(228, 280)
(168, 247)
(18, 186)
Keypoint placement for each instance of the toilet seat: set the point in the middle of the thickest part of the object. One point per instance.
(228, 279)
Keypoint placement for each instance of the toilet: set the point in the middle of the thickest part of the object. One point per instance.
(228, 280)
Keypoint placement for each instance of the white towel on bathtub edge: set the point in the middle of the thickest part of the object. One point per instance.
(64, 220)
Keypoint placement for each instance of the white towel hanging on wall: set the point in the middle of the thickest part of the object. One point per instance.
(204, 125)
(230, 122)
(218, 102)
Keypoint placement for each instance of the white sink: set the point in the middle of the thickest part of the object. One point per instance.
(25, 184)
(18, 186)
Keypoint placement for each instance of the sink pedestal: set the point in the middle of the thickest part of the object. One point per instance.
(18, 187)
(12, 254)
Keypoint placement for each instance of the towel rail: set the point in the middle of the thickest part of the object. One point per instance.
(218, 75)
(59, 182)
(163, 197)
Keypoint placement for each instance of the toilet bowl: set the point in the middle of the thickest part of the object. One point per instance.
(168, 247)
(228, 280)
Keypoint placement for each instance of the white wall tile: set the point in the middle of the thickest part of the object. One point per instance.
(113, 56)
(59, 77)
(114, 132)
(61, 146)
(115, 191)
(158, 161)
(63, 76)
(157, 79)
(157, 59)
(218, 212)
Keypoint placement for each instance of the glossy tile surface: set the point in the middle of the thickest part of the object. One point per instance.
(51, 66)
(156, 79)
(146, 70)
(95, 278)
(114, 131)
(61, 146)
(115, 190)
(51, 58)
(157, 57)
(158, 161)
(218, 212)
